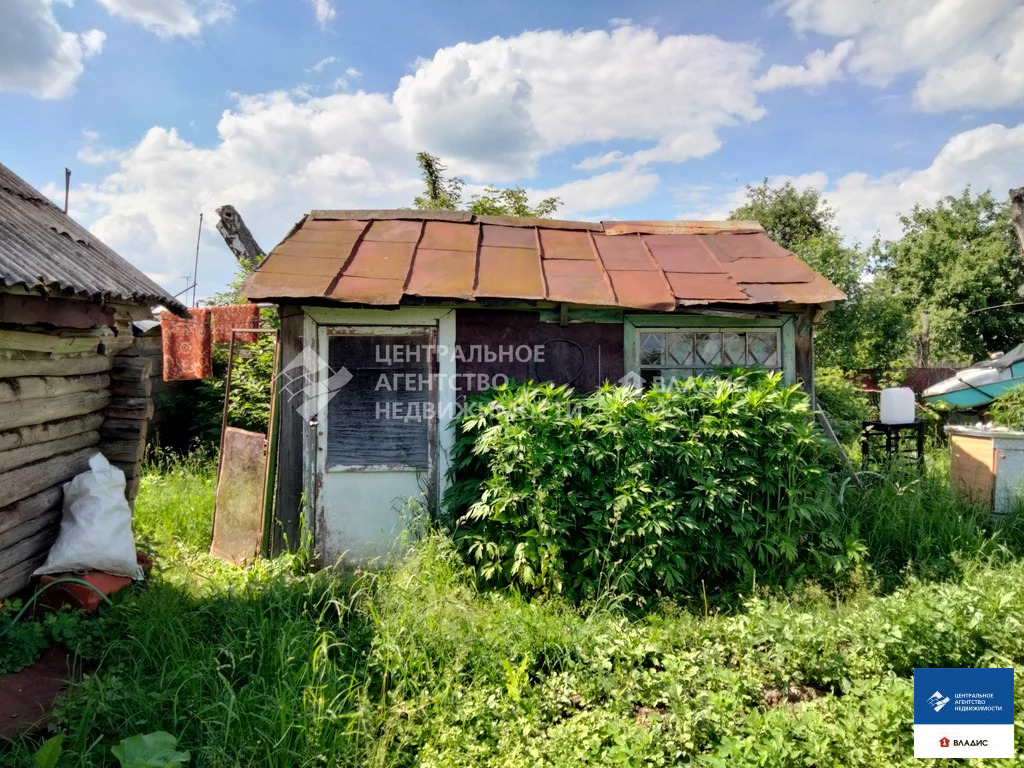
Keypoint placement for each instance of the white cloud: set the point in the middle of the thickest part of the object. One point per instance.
(601, 192)
(171, 18)
(989, 157)
(491, 110)
(494, 108)
(967, 53)
(38, 56)
(323, 64)
(818, 69)
(354, 73)
(594, 162)
(324, 11)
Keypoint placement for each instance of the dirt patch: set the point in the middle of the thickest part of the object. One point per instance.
(794, 694)
(27, 697)
(643, 716)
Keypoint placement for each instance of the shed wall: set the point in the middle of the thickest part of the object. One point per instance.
(65, 393)
(597, 359)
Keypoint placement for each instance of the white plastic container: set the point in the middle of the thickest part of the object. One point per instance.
(897, 406)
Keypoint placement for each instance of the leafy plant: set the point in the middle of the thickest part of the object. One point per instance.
(22, 643)
(445, 193)
(48, 754)
(845, 406)
(710, 485)
(150, 750)
(1007, 410)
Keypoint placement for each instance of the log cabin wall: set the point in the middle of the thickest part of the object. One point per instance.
(67, 390)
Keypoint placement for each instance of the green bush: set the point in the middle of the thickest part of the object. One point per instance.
(706, 486)
(845, 406)
(1007, 410)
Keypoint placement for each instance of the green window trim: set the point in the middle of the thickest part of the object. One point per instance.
(633, 325)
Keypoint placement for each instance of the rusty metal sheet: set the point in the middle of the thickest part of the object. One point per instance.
(521, 221)
(334, 249)
(272, 285)
(388, 261)
(788, 270)
(820, 291)
(509, 237)
(705, 287)
(577, 281)
(363, 290)
(443, 274)
(448, 236)
(394, 231)
(510, 273)
(313, 224)
(238, 514)
(678, 227)
(642, 290)
(682, 253)
(382, 214)
(623, 253)
(744, 246)
(566, 244)
(280, 264)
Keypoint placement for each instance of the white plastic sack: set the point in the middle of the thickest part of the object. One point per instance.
(96, 529)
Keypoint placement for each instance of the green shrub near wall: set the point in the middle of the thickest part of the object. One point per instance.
(845, 406)
(709, 486)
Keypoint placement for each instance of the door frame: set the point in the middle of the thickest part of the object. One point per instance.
(316, 322)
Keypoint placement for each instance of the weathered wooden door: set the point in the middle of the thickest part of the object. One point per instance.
(377, 439)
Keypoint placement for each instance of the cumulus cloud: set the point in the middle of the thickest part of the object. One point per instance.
(494, 108)
(988, 157)
(967, 53)
(321, 65)
(324, 12)
(818, 69)
(603, 191)
(171, 18)
(37, 55)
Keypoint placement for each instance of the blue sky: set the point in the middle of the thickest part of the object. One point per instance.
(165, 108)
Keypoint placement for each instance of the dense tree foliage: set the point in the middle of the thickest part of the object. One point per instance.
(931, 296)
(445, 193)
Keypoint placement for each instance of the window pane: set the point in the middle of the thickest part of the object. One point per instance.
(734, 349)
(708, 348)
(652, 348)
(680, 349)
(362, 428)
(763, 349)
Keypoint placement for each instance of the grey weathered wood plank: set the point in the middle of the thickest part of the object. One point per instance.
(43, 409)
(50, 430)
(20, 457)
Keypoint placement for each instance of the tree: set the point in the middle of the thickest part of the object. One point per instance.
(955, 264)
(868, 330)
(445, 193)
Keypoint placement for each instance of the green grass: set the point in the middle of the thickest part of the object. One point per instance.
(274, 666)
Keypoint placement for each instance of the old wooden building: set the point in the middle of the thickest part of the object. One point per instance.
(390, 317)
(71, 383)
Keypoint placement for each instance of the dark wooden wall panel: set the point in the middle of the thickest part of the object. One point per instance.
(290, 472)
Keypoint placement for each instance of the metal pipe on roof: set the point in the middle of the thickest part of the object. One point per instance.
(67, 188)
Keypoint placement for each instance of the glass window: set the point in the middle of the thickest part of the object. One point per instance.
(680, 353)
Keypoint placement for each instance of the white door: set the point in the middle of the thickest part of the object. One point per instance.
(377, 439)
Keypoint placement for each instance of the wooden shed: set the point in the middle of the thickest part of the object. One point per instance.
(70, 382)
(389, 318)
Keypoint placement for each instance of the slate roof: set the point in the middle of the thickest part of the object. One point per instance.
(380, 257)
(42, 249)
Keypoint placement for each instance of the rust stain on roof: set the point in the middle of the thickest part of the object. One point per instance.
(378, 257)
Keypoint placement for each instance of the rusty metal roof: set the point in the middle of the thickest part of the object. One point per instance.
(379, 257)
(42, 249)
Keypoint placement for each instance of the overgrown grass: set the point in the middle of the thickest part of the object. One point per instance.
(277, 666)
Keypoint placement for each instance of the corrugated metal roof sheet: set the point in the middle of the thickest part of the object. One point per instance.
(42, 248)
(377, 257)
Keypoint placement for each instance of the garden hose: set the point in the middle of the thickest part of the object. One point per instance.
(63, 580)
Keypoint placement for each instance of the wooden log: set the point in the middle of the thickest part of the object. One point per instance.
(15, 579)
(57, 344)
(130, 408)
(55, 366)
(46, 519)
(142, 388)
(44, 409)
(123, 429)
(131, 490)
(15, 514)
(19, 457)
(29, 387)
(21, 483)
(128, 451)
(143, 346)
(51, 430)
(38, 543)
(56, 312)
(131, 368)
(131, 470)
